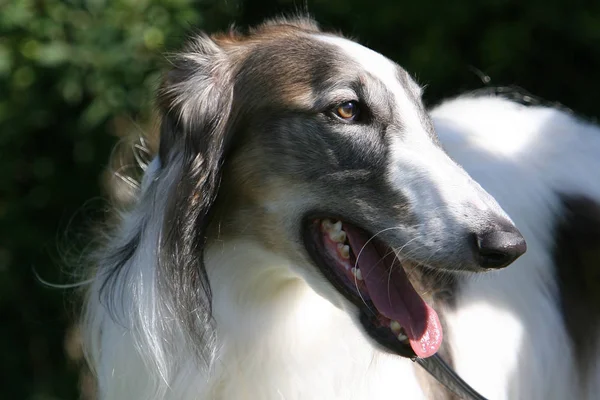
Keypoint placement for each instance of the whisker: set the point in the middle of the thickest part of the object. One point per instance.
(381, 260)
(61, 286)
(131, 182)
(358, 257)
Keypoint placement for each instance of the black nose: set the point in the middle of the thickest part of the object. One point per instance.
(499, 248)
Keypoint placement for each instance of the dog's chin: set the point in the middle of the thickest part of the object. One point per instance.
(369, 274)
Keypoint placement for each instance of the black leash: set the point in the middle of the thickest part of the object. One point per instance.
(447, 377)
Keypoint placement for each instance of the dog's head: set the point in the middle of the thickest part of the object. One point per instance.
(321, 150)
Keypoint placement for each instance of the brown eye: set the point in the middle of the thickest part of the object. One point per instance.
(348, 110)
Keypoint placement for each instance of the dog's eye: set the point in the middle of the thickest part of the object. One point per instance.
(348, 110)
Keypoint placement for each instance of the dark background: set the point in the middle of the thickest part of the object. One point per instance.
(76, 76)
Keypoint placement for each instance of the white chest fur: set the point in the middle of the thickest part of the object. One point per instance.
(281, 340)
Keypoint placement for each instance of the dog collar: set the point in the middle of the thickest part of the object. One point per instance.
(445, 375)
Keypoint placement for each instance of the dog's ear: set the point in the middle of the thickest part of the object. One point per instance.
(151, 275)
(195, 100)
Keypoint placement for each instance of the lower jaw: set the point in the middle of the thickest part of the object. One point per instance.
(377, 327)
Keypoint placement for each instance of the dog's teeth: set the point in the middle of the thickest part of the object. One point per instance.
(344, 250)
(357, 274)
(327, 225)
(337, 236)
(402, 337)
(395, 327)
(337, 226)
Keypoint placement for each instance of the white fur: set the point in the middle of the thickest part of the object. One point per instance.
(129, 344)
(507, 335)
(285, 341)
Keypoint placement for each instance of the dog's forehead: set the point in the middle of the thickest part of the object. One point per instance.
(370, 61)
(406, 93)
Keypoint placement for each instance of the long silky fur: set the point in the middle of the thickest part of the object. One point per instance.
(151, 277)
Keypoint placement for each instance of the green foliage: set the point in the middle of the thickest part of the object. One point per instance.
(67, 69)
(70, 68)
(100, 50)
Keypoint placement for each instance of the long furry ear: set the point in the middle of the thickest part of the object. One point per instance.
(196, 99)
(151, 292)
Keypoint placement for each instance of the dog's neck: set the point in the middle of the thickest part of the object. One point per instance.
(279, 339)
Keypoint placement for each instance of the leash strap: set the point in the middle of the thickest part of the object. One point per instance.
(447, 377)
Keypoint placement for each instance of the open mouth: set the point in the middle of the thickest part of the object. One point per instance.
(369, 274)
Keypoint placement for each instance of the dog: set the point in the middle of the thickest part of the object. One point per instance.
(303, 233)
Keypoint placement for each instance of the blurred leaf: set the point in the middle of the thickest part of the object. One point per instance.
(23, 77)
(54, 53)
(5, 59)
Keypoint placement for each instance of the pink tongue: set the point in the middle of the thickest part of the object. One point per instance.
(394, 296)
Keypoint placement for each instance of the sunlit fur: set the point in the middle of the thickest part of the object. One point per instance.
(255, 320)
(507, 335)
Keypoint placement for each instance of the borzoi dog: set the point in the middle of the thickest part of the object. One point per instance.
(298, 228)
